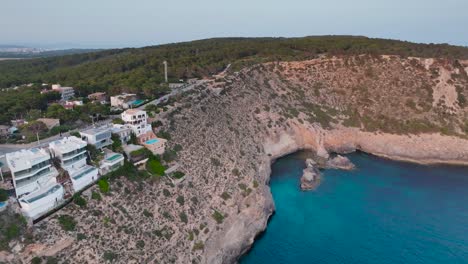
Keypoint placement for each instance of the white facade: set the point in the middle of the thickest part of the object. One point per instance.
(71, 151)
(39, 203)
(137, 120)
(35, 181)
(99, 137)
(83, 176)
(31, 170)
(65, 92)
(72, 154)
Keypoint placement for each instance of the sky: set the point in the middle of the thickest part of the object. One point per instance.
(136, 23)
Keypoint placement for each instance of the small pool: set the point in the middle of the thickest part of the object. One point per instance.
(114, 157)
(151, 141)
(138, 102)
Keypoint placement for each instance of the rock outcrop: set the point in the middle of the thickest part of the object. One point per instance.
(310, 179)
(339, 162)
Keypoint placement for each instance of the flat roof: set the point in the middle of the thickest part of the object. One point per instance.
(96, 130)
(26, 158)
(67, 144)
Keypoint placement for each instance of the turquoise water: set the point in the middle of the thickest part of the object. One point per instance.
(151, 141)
(383, 212)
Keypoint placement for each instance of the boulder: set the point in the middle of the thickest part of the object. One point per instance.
(310, 179)
(339, 162)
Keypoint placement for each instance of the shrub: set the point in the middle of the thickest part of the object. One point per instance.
(96, 196)
(164, 134)
(140, 244)
(80, 236)
(103, 185)
(36, 260)
(147, 213)
(118, 121)
(178, 174)
(67, 222)
(180, 199)
(75, 134)
(3, 195)
(155, 167)
(218, 217)
(78, 200)
(110, 256)
(183, 217)
(198, 246)
(166, 193)
(225, 196)
(215, 162)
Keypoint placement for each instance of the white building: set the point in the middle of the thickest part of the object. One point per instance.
(65, 92)
(34, 179)
(99, 137)
(123, 131)
(72, 154)
(30, 169)
(137, 120)
(38, 203)
(111, 162)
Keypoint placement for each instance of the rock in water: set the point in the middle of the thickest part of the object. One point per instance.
(340, 162)
(310, 179)
(310, 163)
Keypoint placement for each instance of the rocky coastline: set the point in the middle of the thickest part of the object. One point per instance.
(422, 149)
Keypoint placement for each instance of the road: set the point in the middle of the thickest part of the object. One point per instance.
(7, 148)
(174, 92)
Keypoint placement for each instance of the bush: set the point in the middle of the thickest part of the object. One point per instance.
(110, 256)
(183, 217)
(75, 134)
(140, 244)
(36, 260)
(96, 196)
(78, 200)
(155, 167)
(164, 134)
(178, 174)
(218, 217)
(67, 222)
(103, 184)
(225, 196)
(198, 246)
(180, 199)
(3, 195)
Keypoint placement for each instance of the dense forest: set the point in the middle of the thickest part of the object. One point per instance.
(137, 68)
(140, 70)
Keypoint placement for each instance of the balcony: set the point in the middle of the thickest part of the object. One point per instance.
(32, 171)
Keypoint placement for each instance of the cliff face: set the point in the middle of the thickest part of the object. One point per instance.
(231, 132)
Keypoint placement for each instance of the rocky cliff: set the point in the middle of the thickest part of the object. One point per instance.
(231, 130)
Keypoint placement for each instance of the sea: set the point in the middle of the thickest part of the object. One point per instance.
(382, 212)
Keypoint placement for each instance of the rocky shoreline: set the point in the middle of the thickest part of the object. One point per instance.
(410, 148)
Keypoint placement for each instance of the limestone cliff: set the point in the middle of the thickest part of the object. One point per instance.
(231, 131)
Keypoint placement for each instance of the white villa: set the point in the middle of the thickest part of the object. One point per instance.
(111, 162)
(99, 137)
(137, 120)
(34, 179)
(72, 153)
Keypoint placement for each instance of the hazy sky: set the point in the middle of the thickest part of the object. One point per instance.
(120, 23)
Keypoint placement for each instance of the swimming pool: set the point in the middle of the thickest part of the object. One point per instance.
(114, 157)
(151, 141)
(138, 102)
